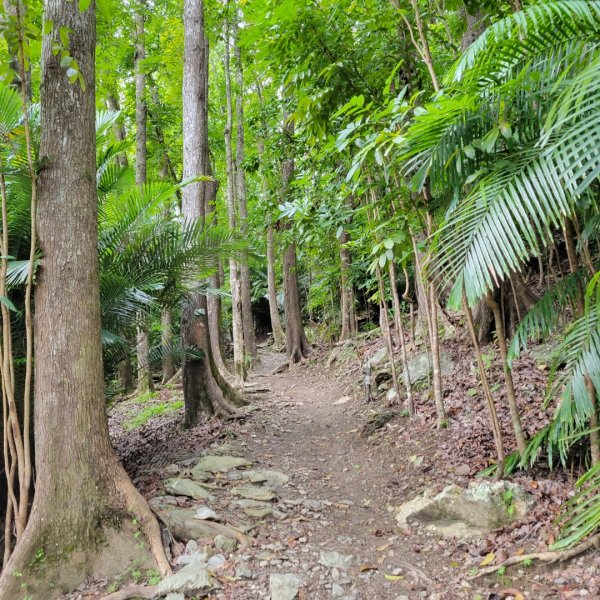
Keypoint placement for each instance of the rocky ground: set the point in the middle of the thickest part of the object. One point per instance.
(307, 498)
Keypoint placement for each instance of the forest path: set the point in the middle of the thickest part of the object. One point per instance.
(343, 488)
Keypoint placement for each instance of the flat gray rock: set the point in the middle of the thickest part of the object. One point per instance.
(467, 513)
(335, 559)
(192, 579)
(187, 487)
(284, 586)
(206, 514)
(219, 464)
(252, 492)
(273, 478)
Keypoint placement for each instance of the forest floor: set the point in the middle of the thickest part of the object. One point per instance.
(336, 527)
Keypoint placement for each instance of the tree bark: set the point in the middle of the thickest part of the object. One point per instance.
(510, 387)
(168, 362)
(295, 338)
(278, 334)
(400, 333)
(201, 392)
(240, 174)
(235, 284)
(296, 342)
(144, 373)
(81, 489)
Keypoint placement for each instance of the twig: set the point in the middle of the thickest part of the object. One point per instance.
(549, 557)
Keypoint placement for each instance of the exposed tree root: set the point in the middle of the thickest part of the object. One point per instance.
(549, 557)
(133, 591)
(281, 368)
(139, 508)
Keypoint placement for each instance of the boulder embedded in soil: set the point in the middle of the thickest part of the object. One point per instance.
(192, 579)
(273, 478)
(335, 559)
(252, 492)
(219, 464)
(284, 586)
(467, 513)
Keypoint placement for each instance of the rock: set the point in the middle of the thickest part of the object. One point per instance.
(463, 470)
(314, 505)
(216, 562)
(214, 464)
(418, 366)
(226, 449)
(187, 487)
(378, 357)
(274, 478)
(343, 353)
(172, 469)
(243, 572)
(175, 596)
(337, 591)
(284, 586)
(391, 395)
(335, 559)
(192, 579)
(206, 514)
(377, 421)
(191, 558)
(466, 513)
(226, 544)
(254, 493)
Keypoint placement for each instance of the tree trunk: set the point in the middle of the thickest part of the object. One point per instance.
(235, 284)
(400, 332)
(347, 290)
(295, 338)
(82, 492)
(201, 392)
(487, 391)
(168, 362)
(240, 173)
(510, 388)
(144, 373)
(278, 334)
(296, 342)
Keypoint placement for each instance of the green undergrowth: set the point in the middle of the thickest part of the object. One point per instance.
(154, 410)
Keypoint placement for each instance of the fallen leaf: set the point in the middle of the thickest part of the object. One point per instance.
(487, 560)
(364, 568)
(383, 547)
(393, 577)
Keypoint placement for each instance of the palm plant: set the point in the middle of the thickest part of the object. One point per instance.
(514, 139)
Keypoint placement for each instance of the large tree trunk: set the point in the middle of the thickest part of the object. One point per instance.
(240, 174)
(296, 342)
(200, 389)
(235, 284)
(82, 493)
(144, 373)
(278, 334)
(295, 338)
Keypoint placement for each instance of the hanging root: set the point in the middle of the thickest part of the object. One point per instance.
(139, 508)
(548, 557)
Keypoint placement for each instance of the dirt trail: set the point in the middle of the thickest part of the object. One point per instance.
(331, 530)
(350, 483)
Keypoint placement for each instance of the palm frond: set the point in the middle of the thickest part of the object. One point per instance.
(543, 318)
